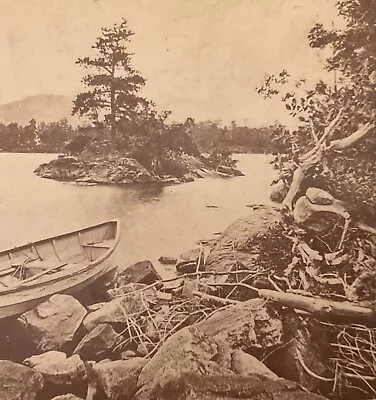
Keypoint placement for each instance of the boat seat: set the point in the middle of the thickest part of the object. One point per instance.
(105, 244)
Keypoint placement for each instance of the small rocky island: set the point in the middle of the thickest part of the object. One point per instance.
(122, 169)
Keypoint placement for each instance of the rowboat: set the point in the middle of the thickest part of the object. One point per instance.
(64, 264)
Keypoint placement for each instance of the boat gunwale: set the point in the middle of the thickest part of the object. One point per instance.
(87, 267)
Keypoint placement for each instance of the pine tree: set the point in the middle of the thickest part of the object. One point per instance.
(113, 86)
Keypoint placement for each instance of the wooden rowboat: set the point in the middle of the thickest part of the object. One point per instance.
(64, 264)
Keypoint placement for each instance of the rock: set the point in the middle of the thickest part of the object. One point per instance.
(230, 171)
(246, 365)
(118, 379)
(319, 196)
(252, 324)
(68, 396)
(167, 260)
(96, 306)
(97, 344)
(53, 324)
(18, 382)
(305, 340)
(144, 349)
(188, 350)
(160, 322)
(193, 386)
(279, 191)
(192, 285)
(188, 262)
(57, 369)
(243, 241)
(163, 296)
(115, 311)
(117, 169)
(141, 272)
(310, 219)
(125, 355)
(187, 178)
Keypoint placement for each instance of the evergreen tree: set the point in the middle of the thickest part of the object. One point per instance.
(114, 85)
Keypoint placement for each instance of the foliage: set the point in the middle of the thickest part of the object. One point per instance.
(34, 137)
(342, 106)
(151, 140)
(210, 137)
(55, 135)
(114, 85)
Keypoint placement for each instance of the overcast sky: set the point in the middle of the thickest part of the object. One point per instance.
(201, 58)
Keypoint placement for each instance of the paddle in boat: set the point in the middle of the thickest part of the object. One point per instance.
(63, 264)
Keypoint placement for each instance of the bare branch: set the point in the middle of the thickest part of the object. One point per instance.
(313, 133)
(351, 139)
(329, 130)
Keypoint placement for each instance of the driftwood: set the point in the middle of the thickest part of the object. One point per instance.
(323, 309)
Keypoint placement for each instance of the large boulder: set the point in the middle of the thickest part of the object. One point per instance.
(318, 211)
(18, 382)
(118, 379)
(304, 341)
(68, 396)
(57, 368)
(61, 374)
(116, 311)
(191, 386)
(245, 364)
(279, 191)
(141, 272)
(191, 351)
(96, 345)
(252, 324)
(244, 243)
(188, 350)
(53, 324)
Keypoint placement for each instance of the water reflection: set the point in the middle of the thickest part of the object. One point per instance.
(156, 220)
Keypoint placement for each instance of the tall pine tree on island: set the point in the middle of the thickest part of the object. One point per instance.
(113, 85)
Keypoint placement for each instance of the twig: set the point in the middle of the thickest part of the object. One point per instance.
(306, 369)
(215, 299)
(235, 284)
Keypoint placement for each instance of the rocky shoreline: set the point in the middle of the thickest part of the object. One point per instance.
(122, 170)
(217, 330)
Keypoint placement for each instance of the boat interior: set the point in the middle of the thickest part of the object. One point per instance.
(57, 256)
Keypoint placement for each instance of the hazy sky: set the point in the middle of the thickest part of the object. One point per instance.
(201, 58)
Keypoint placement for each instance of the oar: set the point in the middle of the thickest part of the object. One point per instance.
(46, 271)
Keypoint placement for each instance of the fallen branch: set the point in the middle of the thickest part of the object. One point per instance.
(323, 309)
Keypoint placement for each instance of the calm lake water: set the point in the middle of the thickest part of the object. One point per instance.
(156, 220)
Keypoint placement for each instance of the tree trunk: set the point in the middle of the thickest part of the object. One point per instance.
(113, 106)
(315, 155)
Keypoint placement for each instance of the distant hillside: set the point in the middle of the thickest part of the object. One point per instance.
(42, 107)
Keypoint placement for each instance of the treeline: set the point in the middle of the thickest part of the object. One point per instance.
(142, 139)
(210, 137)
(36, 137)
